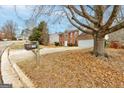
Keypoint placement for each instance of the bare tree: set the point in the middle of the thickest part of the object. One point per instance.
(35, 13)
(100, 26)
(9, 30)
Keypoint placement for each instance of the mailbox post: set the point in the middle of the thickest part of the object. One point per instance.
(34, 46)
(37, 53)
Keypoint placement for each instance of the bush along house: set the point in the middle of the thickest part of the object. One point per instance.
(69, 38)
(116, 39)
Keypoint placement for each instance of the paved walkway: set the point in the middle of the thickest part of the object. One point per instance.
(9, 76)
(53, 50)
(2, 47)
(1, 51)
(22, 55)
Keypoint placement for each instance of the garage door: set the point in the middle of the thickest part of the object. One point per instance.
(85, 43)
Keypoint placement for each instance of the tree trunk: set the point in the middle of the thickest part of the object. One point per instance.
(99, 46)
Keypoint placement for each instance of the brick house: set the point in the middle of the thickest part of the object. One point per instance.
(61, 39)
(1, 36)
(69, 38)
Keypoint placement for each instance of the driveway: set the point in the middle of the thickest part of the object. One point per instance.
(22, 54)
(53, 50)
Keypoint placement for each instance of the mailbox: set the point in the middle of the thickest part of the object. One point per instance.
(5, 85)
(31, 45)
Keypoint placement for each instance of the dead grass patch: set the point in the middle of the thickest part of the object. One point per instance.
(17, 45)
(76, 68)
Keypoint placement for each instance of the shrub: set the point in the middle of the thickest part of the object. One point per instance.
(70, 44)
(122, 46)
(115, 44)
(14, 38)
(56, 43)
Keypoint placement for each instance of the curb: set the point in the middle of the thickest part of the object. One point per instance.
(9, 76)
(0, 62)
(24, 79)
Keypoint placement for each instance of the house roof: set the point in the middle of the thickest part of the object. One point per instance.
(69, 31)
(84, 36)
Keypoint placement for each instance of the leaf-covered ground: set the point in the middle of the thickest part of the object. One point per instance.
(77, 68)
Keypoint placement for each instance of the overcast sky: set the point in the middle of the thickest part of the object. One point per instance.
(8, 13)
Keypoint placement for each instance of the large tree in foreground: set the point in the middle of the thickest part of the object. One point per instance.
(96, 22)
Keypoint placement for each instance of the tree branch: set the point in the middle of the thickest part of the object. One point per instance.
(77, 21)
(112, 17)
(79, 27)
(84, 14)
(115, 28)
(99, 11)
(90, 7)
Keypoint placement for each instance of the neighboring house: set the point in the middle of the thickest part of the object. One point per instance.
(69, 38)
(116, 39)
(53, 38)
(77, 38)
(20, 38)
(25, 34)
(117, 36)
(61, 39)
(85, 40)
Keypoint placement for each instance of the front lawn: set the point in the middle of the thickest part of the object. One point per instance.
(77, 68)
(17, 45)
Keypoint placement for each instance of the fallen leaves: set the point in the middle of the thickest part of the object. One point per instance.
(77, 68)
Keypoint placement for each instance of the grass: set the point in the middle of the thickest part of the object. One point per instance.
(17, 45)
(49, 46)
(76, 68)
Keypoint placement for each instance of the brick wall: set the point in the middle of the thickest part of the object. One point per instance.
(70, 37)
(61, 39)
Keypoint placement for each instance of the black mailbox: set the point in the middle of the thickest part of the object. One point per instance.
(5, 85)
(30, 46)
